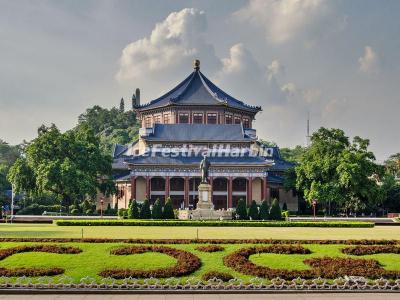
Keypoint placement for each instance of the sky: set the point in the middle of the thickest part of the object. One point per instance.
(336, 60)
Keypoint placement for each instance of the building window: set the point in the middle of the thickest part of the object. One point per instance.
(183, 118)
(211, 118)
(166, 118)
(147, 122)
(228, 119)
(238, 120)
(157, 119)
(197, 118)
(246, 123)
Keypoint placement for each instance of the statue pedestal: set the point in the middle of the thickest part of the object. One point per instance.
(205, 197)
(205, 207)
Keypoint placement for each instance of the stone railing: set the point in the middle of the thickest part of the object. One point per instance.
(66, 283)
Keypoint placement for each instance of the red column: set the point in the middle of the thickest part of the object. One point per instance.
(187, 191)
(212, 188)
(250, 190)
(148, 187)
(230, 192)
(167, 188)
(133, 187)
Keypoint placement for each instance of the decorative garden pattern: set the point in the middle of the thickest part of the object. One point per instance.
(187, 263)
(7, 252)
(205, 263)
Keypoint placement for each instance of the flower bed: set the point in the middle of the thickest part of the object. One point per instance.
(187, 263)
(34, 272)
(372, 249)
(210, 248)
(325, 267)
(217, 275)
(201, 241)
(211, 223)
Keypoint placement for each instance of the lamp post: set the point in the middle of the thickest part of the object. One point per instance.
(101, 207)
(12, 203)
(314, 204)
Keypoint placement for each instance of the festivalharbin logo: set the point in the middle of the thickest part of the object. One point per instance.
(221, 150)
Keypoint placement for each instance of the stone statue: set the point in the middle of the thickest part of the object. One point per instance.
(204, 167)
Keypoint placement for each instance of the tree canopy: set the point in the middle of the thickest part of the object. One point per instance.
(69, 165)
(112, 126)
(333, 169)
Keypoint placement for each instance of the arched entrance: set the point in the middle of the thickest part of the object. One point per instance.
(177, 191)
(239, 190)
(220, 193)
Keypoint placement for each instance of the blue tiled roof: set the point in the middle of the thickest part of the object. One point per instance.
(198, 132)
(119, 149)
(160, 159)
(197, 89)
(275, 179)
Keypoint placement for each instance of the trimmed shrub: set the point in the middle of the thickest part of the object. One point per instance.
(253, 211)
(37, 209)
(210, 248)
(284, 207)
(213, 223)
(275, 211)
(157, 212)
(264, 211)
(373, 249)
(133, 211)
(225, 277)
(145, 212)
(241, 211)
(109, 211)
(168, 210)
(187, 263)
(122, 213)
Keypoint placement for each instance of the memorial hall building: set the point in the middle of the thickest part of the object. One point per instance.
(194, 119)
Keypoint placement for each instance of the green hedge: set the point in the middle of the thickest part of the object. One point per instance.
(211, 223)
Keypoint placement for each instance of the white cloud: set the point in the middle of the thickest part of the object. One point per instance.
(369, 62)
(174, 42)
(284, 20)
(275, 68)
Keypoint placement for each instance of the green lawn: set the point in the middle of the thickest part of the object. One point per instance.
(96, 257)
(148, 232)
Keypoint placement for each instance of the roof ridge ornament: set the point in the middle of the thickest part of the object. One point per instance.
(196, 64)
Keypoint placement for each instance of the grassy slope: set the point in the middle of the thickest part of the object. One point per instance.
(96, 257)
(50, 230)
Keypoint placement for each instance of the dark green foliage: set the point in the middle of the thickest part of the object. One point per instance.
(253, 211)
(145, 212)
(116, 206)
(264, 211)
(122, 105)
(113, 126)
(67, 165)
(241, 211)
(284, 207)
(157, 212)
(37, 209)
(275, 211)
(202, 223)
(109, 210)
(335, 170)
(168, 210)
(133, 210)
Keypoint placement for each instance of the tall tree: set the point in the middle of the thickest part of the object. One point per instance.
(69, 165)
(392, 164)
(293, 154)
(112, 126)
(333, 170)
(241, 211)
(8, 155)
(122, 105)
